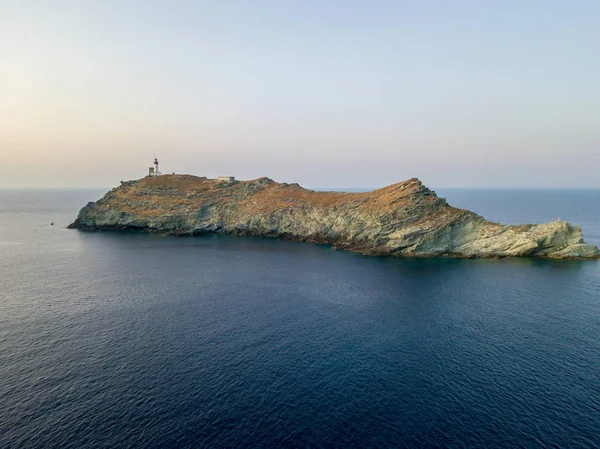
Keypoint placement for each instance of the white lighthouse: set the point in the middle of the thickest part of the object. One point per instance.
(153, 171)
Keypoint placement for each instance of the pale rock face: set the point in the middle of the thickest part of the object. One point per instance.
(401, 219)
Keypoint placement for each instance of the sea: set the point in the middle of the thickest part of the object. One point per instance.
(126, 340)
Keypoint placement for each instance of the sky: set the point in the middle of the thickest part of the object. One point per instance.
(327, 93)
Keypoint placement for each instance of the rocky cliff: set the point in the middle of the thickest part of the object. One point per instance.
(402, 219)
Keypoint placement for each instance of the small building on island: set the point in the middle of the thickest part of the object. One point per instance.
(153, 171)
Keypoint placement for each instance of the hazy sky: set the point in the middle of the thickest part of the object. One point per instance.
(328, 93)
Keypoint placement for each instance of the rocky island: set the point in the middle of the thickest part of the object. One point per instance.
(402, 219)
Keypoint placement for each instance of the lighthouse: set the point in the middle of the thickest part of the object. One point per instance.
(153, 171)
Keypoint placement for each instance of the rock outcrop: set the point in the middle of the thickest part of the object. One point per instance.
(402, 219)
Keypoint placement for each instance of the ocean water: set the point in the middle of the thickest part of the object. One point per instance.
(130, 340)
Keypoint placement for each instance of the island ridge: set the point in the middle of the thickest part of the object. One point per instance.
(405, 219)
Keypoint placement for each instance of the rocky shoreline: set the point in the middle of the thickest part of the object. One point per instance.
(405, 219)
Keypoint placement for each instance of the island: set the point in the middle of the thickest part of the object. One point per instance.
(404, 219)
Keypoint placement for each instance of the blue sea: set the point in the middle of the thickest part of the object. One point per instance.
(124, 340)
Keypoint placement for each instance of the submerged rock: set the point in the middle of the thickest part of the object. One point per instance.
(402, 219)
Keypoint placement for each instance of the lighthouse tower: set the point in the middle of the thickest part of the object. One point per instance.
(153, 171)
